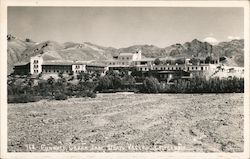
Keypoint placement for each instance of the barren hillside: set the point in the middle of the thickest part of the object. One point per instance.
(21, 50)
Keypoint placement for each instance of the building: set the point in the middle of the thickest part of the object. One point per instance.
(56, 67)
(22, 68)
(38, 65)
(131, 62)
(124, 59)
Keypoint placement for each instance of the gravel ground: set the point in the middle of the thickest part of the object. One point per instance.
(129, 123)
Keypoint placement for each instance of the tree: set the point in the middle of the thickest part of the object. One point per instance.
(105, 82)
(157, 61)
(60, 74)
(194, 61)
(83, 76)
(51, 82)
(117, 82)
(208, 59)
(27, 40)
(151, 85)
(180, 61)
(128, 81)
(168, 62)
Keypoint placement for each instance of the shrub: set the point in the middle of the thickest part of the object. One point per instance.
(91, 94)
(81, 94)
(23, 98)
(61, 96)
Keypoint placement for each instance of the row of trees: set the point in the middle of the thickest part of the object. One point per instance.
(87, 85)
(115, 81)
(194, 85)
(60, 89)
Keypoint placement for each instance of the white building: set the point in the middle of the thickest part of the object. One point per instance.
(36, 64)
(124, 59)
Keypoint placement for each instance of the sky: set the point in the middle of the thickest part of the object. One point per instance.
(125, 26)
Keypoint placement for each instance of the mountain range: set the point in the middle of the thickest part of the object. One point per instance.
(20, 50)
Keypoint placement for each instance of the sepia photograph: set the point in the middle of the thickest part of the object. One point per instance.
(130, 79)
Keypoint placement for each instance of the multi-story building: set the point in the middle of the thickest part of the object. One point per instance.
(38, 65)
(132, 62)
(124, 59)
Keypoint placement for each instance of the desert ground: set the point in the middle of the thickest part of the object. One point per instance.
(124, 122)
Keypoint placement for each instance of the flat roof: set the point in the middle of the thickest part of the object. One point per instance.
(64, 62)
(57, 63)
(125, 54)
(21, 63)
(98, 65)
(120, 66)
(146, 59)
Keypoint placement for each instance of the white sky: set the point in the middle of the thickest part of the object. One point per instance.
(125, 26)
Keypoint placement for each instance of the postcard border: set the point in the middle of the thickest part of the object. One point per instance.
(74, 3)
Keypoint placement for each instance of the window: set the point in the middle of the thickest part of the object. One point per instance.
(127, 58)
(201, 68)
(196, 68)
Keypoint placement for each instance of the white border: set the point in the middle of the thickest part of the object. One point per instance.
(77, 3)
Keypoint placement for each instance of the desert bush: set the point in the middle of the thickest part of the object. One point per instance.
(60, 96)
